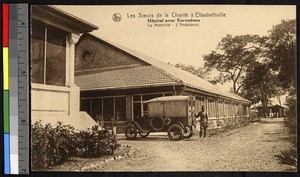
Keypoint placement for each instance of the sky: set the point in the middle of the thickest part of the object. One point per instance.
(179, 44)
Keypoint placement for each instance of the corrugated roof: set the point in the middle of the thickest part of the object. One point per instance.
(171, 72)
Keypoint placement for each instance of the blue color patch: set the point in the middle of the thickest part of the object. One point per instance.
(6, 154)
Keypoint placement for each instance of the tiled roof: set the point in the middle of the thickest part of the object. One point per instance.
(163, 72)
(124, 78)
(168, 98)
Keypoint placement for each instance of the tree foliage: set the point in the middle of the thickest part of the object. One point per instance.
(233, 57)
(260, 84)
(200, 71)
(281, 51)
(275, 74)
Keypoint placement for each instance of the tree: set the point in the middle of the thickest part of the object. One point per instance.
(233, 57)
(200, 71)
(260, 84)
(281, 52)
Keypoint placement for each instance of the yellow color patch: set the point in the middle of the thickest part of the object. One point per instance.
(5, 69)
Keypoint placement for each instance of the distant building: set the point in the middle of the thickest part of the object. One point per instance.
(54, 95)
(272, 110)
(115, 81)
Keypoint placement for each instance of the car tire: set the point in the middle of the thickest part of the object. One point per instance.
(130, 132)
(144, 134)
(175, 132)
(187, 132)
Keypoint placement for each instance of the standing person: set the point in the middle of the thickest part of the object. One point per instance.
(203, 121)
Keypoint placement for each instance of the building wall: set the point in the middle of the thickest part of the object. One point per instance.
(103, 56)
(223, 113)
(51, 104)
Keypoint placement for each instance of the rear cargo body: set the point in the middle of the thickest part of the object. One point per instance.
(174, 107)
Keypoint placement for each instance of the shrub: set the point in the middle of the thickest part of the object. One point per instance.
(61, 143)
(54, 145)
(39, 145)
(288, 157)
(291, 120)
(94, 143)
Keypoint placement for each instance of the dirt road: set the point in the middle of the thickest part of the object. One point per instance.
(250, 148)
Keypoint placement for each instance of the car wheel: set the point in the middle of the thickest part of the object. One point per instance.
(187, 132)
(144, 134)
(175, 132)
(130, 132)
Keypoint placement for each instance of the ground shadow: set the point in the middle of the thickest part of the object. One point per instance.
(155, 138)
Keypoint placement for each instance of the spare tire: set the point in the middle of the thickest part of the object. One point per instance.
(157, 123)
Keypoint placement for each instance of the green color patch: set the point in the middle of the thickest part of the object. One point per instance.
(6, 110)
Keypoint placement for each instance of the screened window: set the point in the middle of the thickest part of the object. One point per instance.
(108, 109)
(137, 111)
(227, 109)
(120, 108)
(221, 108)
(96, 108)
(111, 108)
(48, 55)
(168, 94)
(85, 105)
(211, 108)
(236, 109)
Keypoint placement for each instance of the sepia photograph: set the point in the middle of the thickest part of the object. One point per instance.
(163, 88)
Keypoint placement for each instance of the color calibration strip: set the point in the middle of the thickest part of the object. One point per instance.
(15, 88)
(5, 30)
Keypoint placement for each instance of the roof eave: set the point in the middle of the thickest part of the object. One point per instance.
(51, 15)
(129, 87)
(202, 91)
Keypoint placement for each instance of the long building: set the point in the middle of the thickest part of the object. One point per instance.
(114, 82)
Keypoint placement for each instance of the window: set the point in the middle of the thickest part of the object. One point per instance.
(151, 96)
(108, 108)
(168, 94)
(221, 108)
(211, 108)
(246, 112)
(227, 109)
(96, 108)
(201, 99)
(236, 109)
(120, 108)
(48, 55)
(139, 109)
(85, 105)
(87, 57)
